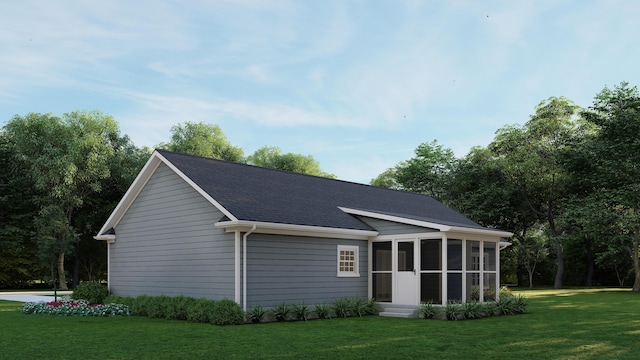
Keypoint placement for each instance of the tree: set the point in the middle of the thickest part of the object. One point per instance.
(202, 139)
(530, 155)
(65, 159)
(429, 172)
(608, 166)
(531, 250)
(387, 179)
(272, 157)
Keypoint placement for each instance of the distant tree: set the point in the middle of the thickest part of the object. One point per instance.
(202, 139)
(272, 157)
(531, 157)
(387, 179)
(608, 168)
(65, 159)
(429, 171)
(531, 250)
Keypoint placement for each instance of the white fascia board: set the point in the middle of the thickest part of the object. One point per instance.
(107, 238)
(397, 219)
(296, 230)
(138, 184)
(427, 224)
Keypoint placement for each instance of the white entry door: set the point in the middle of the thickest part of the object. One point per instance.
(406, 274)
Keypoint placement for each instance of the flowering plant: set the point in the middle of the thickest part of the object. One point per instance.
(66, 307)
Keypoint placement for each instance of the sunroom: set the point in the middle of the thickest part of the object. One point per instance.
(435, 267)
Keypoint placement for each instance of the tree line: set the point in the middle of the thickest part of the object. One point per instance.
(63, 175)
(566, 183)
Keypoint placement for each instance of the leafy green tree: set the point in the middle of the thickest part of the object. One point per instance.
(429, 171)
(202, 139)
(387, 179)
(531, 250)
(65, 159)
(531, 157)
(608, 168)
(272, 157)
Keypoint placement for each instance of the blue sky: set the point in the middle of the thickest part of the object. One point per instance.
(357, 84)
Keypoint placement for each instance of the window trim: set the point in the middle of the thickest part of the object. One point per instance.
(356, 261)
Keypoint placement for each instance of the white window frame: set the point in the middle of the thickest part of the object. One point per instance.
(356, 261)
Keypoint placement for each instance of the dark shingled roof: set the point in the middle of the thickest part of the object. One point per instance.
(266, 195)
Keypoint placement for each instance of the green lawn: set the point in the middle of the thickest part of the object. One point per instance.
(568, 324)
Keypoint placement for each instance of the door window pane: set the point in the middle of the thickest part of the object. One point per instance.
(382, 256)
(431, 254)
(454, 254)
(473, 286)
(382, 287)
(405, 256)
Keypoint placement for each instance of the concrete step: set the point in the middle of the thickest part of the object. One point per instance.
(399, 312)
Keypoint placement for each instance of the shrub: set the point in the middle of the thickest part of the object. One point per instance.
(452, 311)
(256, 314)
(157, 306)
(90, 291)
(281, 312)
(371, 306)
(67, 307)
(520, 304)
(342, 307)
(140, 305)
(488, 308)
(301, 311)
(358, 306)
(505, 292)
(471, 310)
(201, 311)
(178, 306)
(505, 305)
(117, 299)
(427, 310)
(323, 311)
(227, 312)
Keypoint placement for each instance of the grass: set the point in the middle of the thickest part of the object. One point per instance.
(566, 324)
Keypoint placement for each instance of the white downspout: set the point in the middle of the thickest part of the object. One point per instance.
(244, 267)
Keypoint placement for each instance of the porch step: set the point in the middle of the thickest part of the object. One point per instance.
(400, 312)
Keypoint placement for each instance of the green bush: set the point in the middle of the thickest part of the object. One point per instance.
(256, 314)
(358, 306)
(281, 312)
(343, 307)
(301, 311)
(427, 310)
(140, 305)
(520, 304)
(201, 311)
(471, 310)
(489, 308)
(117, 299)
(178, 306)
(323, 311)
(452, 310)
(371, 306)
(227, 312)
(91, 291)
(157, 306)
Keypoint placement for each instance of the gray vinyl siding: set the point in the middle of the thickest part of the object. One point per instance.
(385, 227)
(167, 243)
(294, 269)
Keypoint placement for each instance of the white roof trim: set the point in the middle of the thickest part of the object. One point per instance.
(138, 184)
(427, 224)
(300, 230)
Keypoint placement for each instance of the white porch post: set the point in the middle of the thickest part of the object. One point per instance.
(444, 269)
(237, 267)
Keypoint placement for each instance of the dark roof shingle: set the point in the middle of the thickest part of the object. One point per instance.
(266, 195)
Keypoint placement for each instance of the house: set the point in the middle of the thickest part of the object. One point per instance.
(209, 228)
